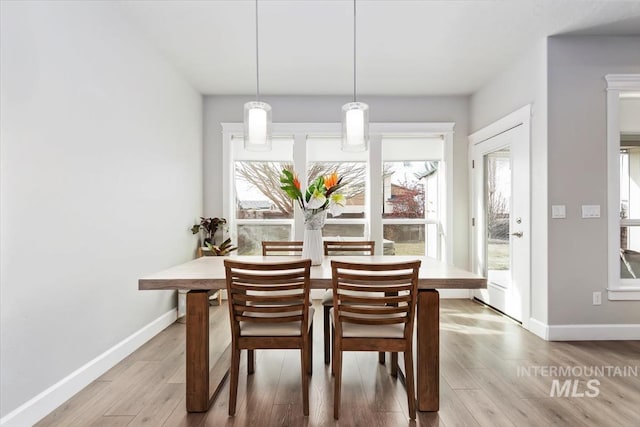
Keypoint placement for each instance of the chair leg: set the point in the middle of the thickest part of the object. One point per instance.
(333, 350)
(310, 362)
(233, 386)
(327, 335)
(337, 382)
(251, 362)
(381, 358)
(408, 369)
(394, 365)
(304, 359)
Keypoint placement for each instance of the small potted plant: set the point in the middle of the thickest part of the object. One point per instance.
(209, 226)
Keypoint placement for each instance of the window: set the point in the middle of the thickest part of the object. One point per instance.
(411, 192)
(324, 156)
(623, 140)
(396, 193)
(259, 212)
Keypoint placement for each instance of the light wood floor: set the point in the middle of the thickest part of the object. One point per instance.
(481, 352)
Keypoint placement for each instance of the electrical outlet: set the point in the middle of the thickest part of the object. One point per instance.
(597, 298)
(558, 211)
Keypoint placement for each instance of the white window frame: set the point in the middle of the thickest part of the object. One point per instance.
(618, 288)
(373, 198)
(424, 221)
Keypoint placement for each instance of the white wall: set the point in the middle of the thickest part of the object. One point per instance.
(525, 82)
(578, 175)
(292, 109)
(101, 177)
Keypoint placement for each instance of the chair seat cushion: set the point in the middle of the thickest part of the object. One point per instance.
(286, 329)
(355, 330)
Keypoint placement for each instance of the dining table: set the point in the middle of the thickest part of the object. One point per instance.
(198, 277)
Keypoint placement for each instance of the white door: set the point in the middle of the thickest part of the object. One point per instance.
(500, 220)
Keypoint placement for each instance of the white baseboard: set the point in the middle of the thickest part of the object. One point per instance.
(594, 332)
(538, 328)
(39, 406)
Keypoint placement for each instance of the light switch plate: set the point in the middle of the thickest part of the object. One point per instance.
(558, 211)
(590, 211)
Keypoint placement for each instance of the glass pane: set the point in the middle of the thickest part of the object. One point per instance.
(343, 230)
(258, 194)
(498, 202)
(250, 237)
(354, 174)
(403, 239)
(630, 182)
(410, 189)
(630, 252)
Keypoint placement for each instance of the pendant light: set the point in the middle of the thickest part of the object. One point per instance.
(257, 114)
(355, 115)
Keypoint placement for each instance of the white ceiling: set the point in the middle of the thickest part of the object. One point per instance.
(415, 47)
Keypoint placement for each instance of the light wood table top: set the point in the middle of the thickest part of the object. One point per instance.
(208, 273)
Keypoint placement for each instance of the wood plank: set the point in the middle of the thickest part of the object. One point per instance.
(161, 404)
(483, 409)
(139, 393)
(379, 387)
(181, 418)
(455, 374)
(75, 404)
(428, 350)
(452, 411)
(113, 421)
(519, 411)
(219, 374)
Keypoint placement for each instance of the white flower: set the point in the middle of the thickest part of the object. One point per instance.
(317, 200)
(336, 204)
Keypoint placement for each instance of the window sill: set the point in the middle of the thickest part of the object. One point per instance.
(624, 293)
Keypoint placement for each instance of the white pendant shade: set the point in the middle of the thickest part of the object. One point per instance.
(257, 114)
(355, 126)
(355, 115)
(257, 126)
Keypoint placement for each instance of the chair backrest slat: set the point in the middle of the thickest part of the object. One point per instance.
(281, 248)
(360, 247)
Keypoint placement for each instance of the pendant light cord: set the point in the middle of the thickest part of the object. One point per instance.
(257, 61)
(354, 50)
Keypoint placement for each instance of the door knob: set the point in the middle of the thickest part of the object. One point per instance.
(517, 234)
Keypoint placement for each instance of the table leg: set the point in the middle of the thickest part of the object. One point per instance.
(197, 353)
(428, 360)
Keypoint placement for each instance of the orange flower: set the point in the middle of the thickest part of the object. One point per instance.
(331, 180)
(296, 182)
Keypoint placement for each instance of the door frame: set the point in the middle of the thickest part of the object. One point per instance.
(520, 117)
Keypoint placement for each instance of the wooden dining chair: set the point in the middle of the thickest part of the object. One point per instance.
(269, 309)
(360, 247)
(281, 248)
(374, 310)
